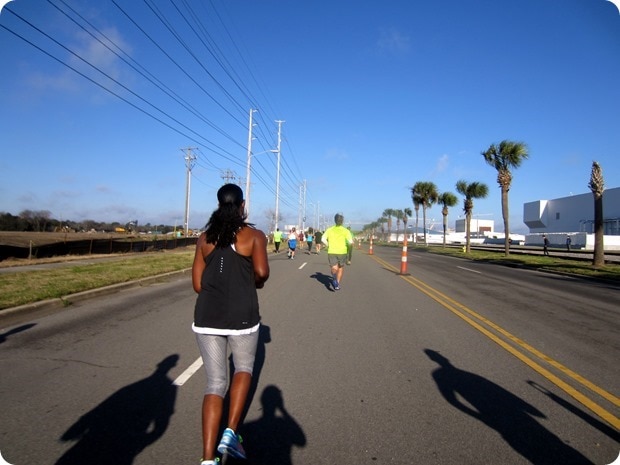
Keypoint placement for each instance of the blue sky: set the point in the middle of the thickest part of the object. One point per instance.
(375, 95)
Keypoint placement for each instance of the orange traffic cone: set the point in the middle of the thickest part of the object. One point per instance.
(403, 258)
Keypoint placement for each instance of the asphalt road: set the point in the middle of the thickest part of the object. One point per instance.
(453, 363)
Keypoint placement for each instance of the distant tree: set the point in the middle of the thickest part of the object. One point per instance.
(470, 191)
(427, 194)
(270, 215)
(36, 220)
(597, 186)
(9, 222)
(388, 213)
(27, 217)
(398, 214)
(417, 201)
(371, 228)
(406, 215)
(96, 225)
(503, 157)
(382, 222)
(446, 200)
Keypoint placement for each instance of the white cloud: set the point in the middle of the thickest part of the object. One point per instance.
(103, 189)
(336, 154)
(87, 51)
(99, 55)
(393, 41)
(442, 163)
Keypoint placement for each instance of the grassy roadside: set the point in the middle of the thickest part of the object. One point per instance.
(610, 272)
(32, 286)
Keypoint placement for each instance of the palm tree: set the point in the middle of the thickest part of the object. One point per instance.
(406, 216)
(369, 229)
(471, 191)
(375, 225)
(398, 214)
(388, 213)
(446, 200)
(503, 157)
(382, 220)
(597, 186)
(427, 194)
(417, 201)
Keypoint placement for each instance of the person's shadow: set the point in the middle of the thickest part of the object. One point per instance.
(264, 337)
(5, 335)
(270, 439)
(124, 424)
(324, 279)
(506, 413)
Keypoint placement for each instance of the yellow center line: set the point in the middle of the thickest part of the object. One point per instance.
(454, 307)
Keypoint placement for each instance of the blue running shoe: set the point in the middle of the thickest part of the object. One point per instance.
(336, 285)
(231, 444)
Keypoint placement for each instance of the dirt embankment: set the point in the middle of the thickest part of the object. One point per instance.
(26, 240)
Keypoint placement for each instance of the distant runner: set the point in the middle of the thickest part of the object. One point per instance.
(337, 239)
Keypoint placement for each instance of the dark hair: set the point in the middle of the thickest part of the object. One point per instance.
(338, 219)
(224, 223)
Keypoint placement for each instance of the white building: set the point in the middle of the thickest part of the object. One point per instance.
(476, 226)
(573, 216)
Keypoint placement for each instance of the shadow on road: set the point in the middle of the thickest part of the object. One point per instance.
(324, 279)
(264, 337)
(506, 413)
(270, 439)
(599, 425)
(4, 336)
(124, 424)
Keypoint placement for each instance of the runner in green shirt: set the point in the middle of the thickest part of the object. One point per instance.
(277, 238)
(337, 238)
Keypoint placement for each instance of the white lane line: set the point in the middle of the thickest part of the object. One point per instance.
(302, 265)
(187, 374)
(468, 269)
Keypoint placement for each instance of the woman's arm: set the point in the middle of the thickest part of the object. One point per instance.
(199, 262)
(259, 258)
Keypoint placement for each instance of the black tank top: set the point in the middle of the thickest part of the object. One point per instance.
(228, 298)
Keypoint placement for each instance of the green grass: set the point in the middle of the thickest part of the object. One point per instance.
(555, 264)
(25, 287)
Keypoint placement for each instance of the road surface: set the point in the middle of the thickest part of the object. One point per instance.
(453, 363)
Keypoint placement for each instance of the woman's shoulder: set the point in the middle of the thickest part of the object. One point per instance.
(250, 231)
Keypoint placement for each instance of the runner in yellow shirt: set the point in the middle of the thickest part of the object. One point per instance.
(336, 239)
(277, 239)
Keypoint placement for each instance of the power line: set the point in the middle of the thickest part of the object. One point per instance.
(262, 172)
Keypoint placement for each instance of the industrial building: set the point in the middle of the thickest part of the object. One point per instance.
(573, 217)
(477, 227)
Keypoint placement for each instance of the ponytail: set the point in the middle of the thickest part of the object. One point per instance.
(224, 223)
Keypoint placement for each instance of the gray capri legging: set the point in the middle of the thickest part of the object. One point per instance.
(214, 351)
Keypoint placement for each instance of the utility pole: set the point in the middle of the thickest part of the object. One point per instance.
(278, 151)
(228, 176)
(304, 209)
(247, 172)
(190, 159)
(300, 208)
(302, 205)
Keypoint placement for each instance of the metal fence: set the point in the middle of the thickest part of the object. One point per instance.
(94, 246)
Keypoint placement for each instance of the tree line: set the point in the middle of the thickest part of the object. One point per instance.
(504, 158)
(43, 221)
